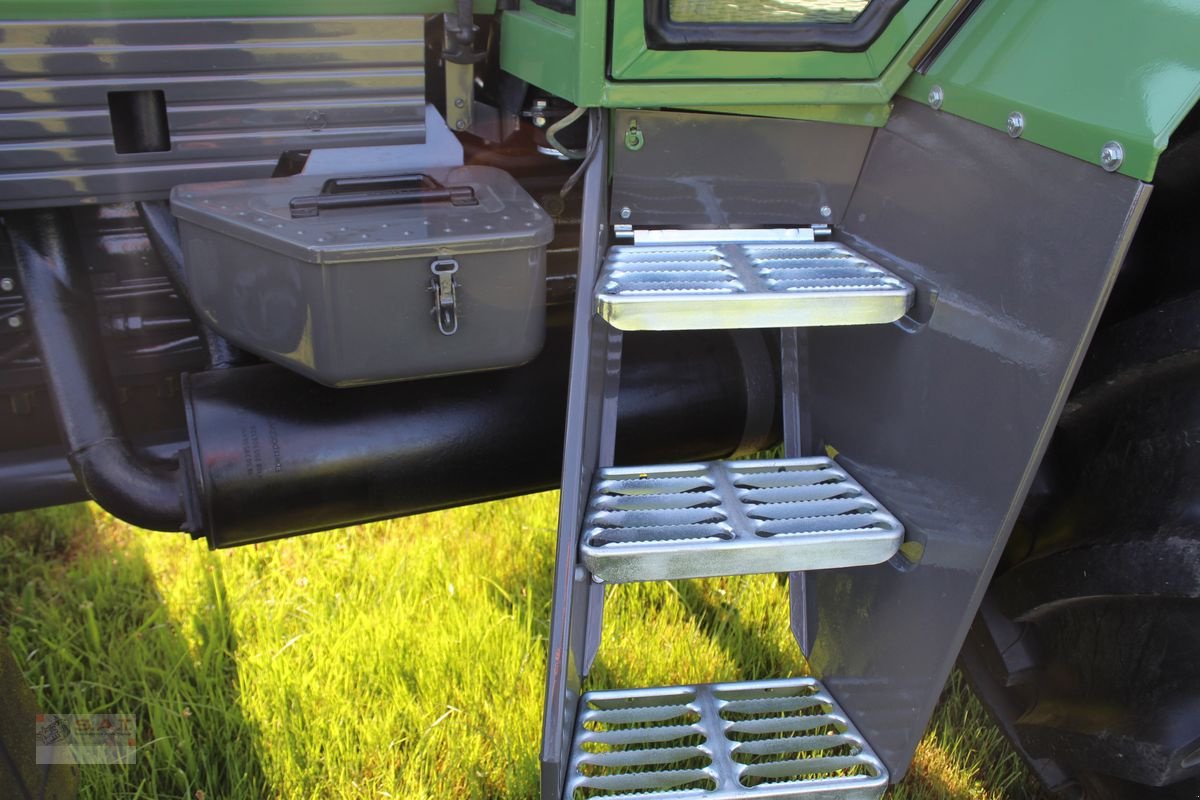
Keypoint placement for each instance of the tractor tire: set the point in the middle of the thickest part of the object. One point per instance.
(1086, 648)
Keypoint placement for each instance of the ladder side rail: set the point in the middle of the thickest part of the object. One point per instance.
(594, 627)
(572, 584)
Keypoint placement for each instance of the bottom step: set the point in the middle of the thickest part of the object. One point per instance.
(722, 741)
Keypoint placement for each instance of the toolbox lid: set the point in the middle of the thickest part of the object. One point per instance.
(323, 220)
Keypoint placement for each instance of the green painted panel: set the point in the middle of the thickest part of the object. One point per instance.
(561, 53)
(633, 60)
(1080, 72)
(872, 116)
(163, 9)
(665, 94)
(566, 55)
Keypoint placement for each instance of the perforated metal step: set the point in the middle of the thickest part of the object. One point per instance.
(724, 741)
(746, 285)
(732, 518)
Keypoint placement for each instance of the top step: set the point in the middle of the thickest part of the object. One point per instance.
(704, 286)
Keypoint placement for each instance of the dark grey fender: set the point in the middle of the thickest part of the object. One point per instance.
(945, 417)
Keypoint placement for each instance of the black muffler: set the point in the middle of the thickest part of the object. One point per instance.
(275, 454)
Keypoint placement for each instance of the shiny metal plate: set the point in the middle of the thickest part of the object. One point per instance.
(236, 93)
(732, 518)
(725, 741)
(746, 285)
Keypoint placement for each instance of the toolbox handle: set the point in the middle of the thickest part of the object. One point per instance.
(383, 190)
(410, 180)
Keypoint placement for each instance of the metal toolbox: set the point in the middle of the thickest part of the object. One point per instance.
(370, 279)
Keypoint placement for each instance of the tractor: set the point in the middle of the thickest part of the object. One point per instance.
(897, 298)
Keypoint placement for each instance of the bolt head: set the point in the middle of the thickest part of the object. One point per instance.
(634, 138)
(626, 212)
(826, 212)
(1016, 124)
(316, 120)
(460, 124)
(1112, 155)
(15, 321)
(539, 121)
(936, 97)
(7, 284)
(459, 102)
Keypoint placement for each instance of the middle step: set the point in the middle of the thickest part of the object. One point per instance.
(732, 518)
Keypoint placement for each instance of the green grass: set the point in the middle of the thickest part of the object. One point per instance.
(403, 659)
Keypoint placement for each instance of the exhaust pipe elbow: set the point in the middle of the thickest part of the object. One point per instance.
(142, 491)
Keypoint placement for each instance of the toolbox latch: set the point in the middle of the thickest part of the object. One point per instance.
(445, 303)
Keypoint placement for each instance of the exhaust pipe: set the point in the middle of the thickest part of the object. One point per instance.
(163, 233)
(272, 454)
(143, 491)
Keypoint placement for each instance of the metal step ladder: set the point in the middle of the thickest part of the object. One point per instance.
(732, 518)
(776, 278)
(768, 739)
(780, 738)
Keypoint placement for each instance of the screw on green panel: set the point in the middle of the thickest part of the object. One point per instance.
(634, 140)
(1111, 156)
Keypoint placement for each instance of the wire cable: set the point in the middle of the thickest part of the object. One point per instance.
(593, 145)
(553, 130)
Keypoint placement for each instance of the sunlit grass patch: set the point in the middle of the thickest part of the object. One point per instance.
(401, 659)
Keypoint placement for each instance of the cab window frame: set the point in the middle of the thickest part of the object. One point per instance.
(664, 33)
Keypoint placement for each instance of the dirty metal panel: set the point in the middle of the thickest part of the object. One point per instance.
(235, 94)
(945, 417)
(680, 169)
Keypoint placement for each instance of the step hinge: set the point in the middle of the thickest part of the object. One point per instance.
(665, 236)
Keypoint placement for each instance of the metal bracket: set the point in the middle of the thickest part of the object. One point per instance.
(445, 302)
(723, 235)
(460, 90)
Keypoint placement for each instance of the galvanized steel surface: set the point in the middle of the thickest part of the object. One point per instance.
(236, 93)
(761, 739)
(133, 9)
(701, 287)
(732, 518)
